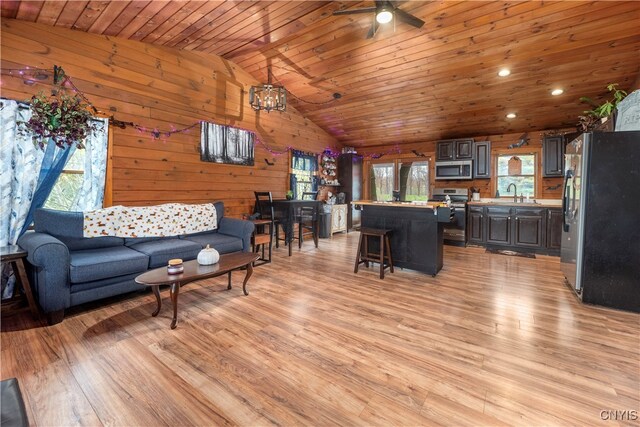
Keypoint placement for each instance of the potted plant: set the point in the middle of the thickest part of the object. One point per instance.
(289, 195)
(62, 118)
(591, 117)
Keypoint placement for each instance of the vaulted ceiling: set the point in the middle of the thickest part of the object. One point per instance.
(405, 84)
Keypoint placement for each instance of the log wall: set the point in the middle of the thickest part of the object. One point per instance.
(164, 88)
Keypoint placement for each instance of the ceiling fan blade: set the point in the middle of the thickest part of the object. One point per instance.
(373, 29)
(408, 18)
(354, 11)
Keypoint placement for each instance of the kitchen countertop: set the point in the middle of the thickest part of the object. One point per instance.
(420, 205)
(539, 203)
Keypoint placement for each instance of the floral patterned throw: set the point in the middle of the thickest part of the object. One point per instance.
(172, 219)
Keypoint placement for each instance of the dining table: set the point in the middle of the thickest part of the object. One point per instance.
(286, 211)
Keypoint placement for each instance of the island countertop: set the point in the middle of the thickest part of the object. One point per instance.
(421, 205)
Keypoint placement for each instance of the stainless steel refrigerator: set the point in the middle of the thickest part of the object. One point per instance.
(600, 254)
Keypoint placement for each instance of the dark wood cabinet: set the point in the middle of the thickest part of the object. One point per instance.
(454, 149)
(475, 225)
(499, 226)
(445, 150)
(528, 229)
(554, 229)
(553, 156)
(482, 159)
(464, 149)
(350, 177)
(515, 228)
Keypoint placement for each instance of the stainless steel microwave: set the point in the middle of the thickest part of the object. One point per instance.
(460, 169)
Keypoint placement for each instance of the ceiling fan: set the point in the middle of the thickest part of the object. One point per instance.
(384, 11)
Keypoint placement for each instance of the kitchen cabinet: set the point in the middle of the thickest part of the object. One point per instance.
(528, 227)
(482, 159)
(350, 177)
(338, 218)
(554, 229)
(454, 149)
(553, 156)
(475, 227)
(499, 226)
(524, 228)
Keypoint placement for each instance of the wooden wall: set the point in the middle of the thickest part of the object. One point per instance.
(159, 87)
(549, 188)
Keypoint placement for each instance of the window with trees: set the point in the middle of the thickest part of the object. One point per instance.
(408, 176)
(67, 188)
(519, 170)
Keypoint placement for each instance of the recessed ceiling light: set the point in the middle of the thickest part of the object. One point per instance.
(504, 72)
(557, 92)
(384, 16)
(511, 116)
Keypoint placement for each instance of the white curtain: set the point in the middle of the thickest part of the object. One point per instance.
(91, 194)
(20, 162)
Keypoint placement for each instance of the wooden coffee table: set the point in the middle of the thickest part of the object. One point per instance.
(194, 271)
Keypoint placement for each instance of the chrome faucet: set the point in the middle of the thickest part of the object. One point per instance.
(515, 192)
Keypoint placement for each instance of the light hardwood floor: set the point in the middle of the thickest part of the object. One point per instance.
(492, 340)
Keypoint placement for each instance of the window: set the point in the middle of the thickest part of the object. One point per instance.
(382, 181)
(519, 170)
(409, 176)
(304, 167)
(66, 189)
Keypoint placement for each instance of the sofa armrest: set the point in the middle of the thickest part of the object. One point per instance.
(239, 228)
(49, 260)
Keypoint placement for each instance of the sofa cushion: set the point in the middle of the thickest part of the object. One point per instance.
(95, 264)
(68, 228)
(221, 242)
(161, 251)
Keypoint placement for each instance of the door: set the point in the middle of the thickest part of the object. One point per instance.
(499, 226)
(476, 225)
(464, 149)
(482, 159)
(571, 246)
(528, 228)
(553, 155)
(445, 150)
(554, 228)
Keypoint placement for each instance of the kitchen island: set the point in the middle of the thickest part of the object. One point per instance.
(417, 231)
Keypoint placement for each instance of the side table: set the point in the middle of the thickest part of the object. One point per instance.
(14, 255)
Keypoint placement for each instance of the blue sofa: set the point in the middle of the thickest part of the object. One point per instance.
(67, 269)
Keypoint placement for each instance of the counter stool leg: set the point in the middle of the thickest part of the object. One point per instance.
(366, 249)
(389, 253)
(382, 256)
(355, 269)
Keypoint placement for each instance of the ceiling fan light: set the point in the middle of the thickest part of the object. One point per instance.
(384, 16)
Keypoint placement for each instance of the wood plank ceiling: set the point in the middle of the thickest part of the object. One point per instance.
(406, 84)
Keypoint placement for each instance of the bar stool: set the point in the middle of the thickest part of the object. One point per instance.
(364, 256)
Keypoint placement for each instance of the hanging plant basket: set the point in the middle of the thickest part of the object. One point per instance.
(62, 118)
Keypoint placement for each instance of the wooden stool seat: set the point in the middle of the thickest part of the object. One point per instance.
(363, 256)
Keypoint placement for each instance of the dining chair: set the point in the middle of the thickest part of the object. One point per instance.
(307, 219)
(264, 206)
